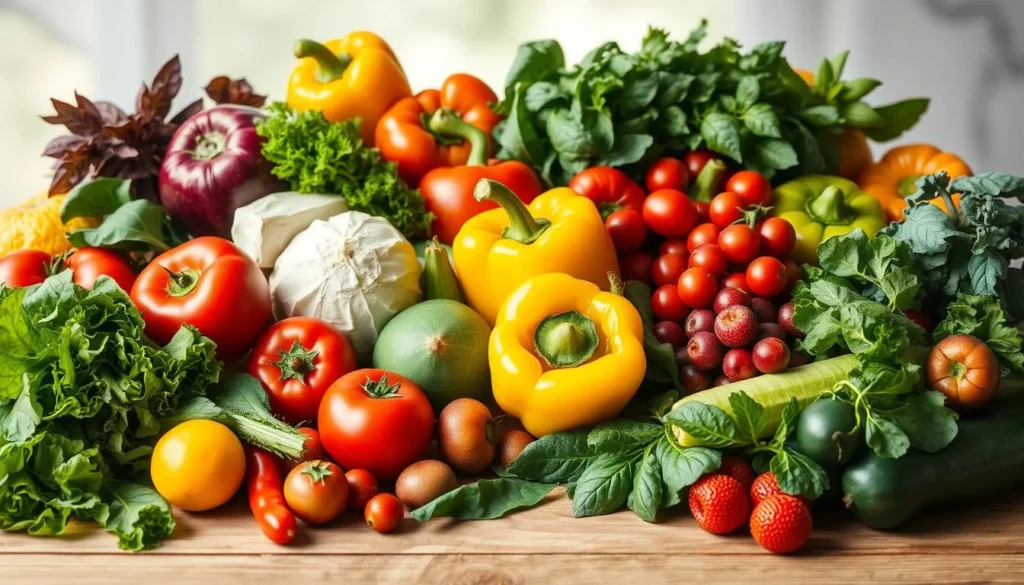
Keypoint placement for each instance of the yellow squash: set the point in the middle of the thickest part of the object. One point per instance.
(35, 225)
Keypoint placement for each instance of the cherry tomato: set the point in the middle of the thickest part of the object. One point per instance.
(751, 186)
(740, 243)
(666, 304)
(703, 211)
(384, 512)
(375, 420)
(674, 247)
(313, 448)
(362, 487)
(210, 284)
(316, 491)
(667, 173)
(670, 213)
(627, 229)
(705, 233)
(766, 276)
(695, 161)
(297, 360)
(667, 268)
(266, 496)
(726, 209)
(736, 280)
(24, 268)
(777, 236)
(697, 287)
(636, 266)
(793, 273)
(89, 264)
(610, 189)
(711, 258)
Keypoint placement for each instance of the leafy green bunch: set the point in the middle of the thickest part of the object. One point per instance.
(318, 156)
(623, 109)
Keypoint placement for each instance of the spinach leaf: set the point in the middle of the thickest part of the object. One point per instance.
(797, 474)
(603, 487)
(681, 467)
(96, 198)
(708, 423)
(485, 499)
(646, 496)
(555, 458)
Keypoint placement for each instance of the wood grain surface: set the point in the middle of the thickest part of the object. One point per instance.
(982, 544)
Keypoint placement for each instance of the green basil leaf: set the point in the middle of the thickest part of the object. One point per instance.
(860, 115)
(897, 118)
(761, 120)
(775, 154)
(485, 499)
(798, 475)
(681, 467)
(749, 416)
(855, 89)
(823, 115)
(623, 436)
(137, 225)
(646, 497)
(603, 487)
(722, 134)
(710, 424)
(96, 198)
(673, 120)
(555, 458)
(748, 91)
(638, 93)
(628, 149)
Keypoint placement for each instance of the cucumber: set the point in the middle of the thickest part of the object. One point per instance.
(986, 457)
(774, 391)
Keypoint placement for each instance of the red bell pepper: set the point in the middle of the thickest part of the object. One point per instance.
(610, 189)
(404, 135)
(448, 191)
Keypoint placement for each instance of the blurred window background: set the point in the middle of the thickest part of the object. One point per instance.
(967, 55)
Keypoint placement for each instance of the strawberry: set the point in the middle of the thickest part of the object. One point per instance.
(765, 485)
(781, 523)
(719, 503)
(737, 468)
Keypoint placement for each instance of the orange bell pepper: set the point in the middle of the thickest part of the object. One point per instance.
(408, 132)
(356, 76)
(893, 178)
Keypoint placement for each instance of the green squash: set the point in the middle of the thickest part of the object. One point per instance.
(441, 345)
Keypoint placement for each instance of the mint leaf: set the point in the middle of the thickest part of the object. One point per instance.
(707, 423)
(749, 416)
(485, 499)
(646, 497)
(798, 475)
(682, 466)
(603, 487)
(555, 458)
(722, 134)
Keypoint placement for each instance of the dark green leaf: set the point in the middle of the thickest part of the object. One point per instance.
(985, 272)
(137, 225)
(638, 93)
(860, 115)
(855, 89)
(485, 499)
(628, 149)
(749, 416)
(139, 517)
(674, 122)
(798, 475)
(646, 497)
(928, 230)
(925, 420)
(748, 91)
(790, 415)
(992, 184)
(709, 424)
(603, 486)
(623, 436)
(95, 198)
(682, 466)
(885, 437)
(722, 134)
(823, 115)
(555, 458)
(535, 61)
(761, 120)
(775, 154)
(543, 94)
(518, 136)
(897, 118)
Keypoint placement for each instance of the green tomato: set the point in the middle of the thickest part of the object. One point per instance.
(823, 432)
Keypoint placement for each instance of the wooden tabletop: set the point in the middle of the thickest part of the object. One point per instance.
(980, 544)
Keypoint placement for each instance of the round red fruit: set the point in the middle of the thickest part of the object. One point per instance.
(766, 276)
(24, 268)
(781, 523)
(699, 320)
(667, 173)
(670, 213)
(705, 233)
(771, 355)
(736, 326)
(751, 186)
(695, 161)
(703, 211)
(667, 269)
(764, 309)
(674, 247)
(667, 305)
(384, 512)
(765, 485)
(766, 330)
(711, 258)
(697, 287)
(793, 273)
(737, 468)
(721, 380)
(362, 487)
(740, 244)
(726, 208)
(738, 365)
(736, 280)
(728, 297)
(798, 358)
(777, 236)
(704, 351)
(670, 332)
(89, 264)
(636, 266)
(719, 503)
(786, 320)
(627, 229)
(694, 380)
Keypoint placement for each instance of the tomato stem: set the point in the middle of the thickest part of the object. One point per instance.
(381, 388)
(296, 362)
(182, 283)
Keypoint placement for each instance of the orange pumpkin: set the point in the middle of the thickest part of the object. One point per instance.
(892, 178)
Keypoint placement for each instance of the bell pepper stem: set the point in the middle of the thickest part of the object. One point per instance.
(331, 66)
(616, 284)
(566, 340)
(708, 182)
(522, 226)
(830, 207)
(447, 123)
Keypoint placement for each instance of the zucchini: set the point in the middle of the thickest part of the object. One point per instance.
(774, 391)
(986, 457)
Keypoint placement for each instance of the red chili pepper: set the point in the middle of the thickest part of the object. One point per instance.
(266, 497)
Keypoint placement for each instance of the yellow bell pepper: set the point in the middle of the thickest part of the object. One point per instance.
(563, 354)
(498, 250)
(356, 76)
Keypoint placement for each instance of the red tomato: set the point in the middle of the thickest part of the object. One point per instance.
(297, 360)
(667, 268)
(375, 420)
(695, 161)
(24, 268)
(627, 229)
(705, 233)
(697, 287)
(316, 491)
(384, 513)
(314, 449)
(711, 258)
(751, 186)
(736, 280)
(670, 213)
(726, 209)
(740, 244)
(666, 304)
(636, 266)
(610, 189)
(667, 173)
(777, 236)
(210, 284)
(766, 276)
(362, 487)
(703, 211)
(88, 264)
(673, 247)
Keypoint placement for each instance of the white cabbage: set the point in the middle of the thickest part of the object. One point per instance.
(263, 228)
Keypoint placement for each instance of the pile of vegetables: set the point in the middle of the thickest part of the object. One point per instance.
(728, 304)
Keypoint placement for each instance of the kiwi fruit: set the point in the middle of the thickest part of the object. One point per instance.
(424, 481)
(466, 435)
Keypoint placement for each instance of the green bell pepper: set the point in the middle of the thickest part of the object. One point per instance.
(822, 206)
